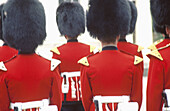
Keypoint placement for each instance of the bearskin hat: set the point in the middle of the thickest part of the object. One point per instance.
(107, 19)
(1, 6)
(134, 15)
(160, 11)
(23, 24)
(70, 19)
(159, 29)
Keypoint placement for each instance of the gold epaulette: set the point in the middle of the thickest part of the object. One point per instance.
(156, 54)
(153, 46)
(54, 63)
(137, 60)
(140, 48)
(55, 50)
(95, 49)
(2, 67)
(84, 61)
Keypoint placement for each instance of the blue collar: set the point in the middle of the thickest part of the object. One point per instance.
(72, 40)
(122, 40)
(5, 44)
(109, 48)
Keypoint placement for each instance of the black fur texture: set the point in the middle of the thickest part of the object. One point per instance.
(24, 24)
(160, 10)
(159, 29)
(1, 6)
(134, 15)
(70, 19)
(107, 19)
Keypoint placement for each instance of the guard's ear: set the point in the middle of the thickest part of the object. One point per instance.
(167, 30)
(4, 15)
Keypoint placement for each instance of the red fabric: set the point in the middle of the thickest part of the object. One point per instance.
(158, 78)
(131, 49)
(70, 54)
(110, 73)
(6, 53)
(28, 78)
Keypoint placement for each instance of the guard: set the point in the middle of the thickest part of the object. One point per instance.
(71, 23)
(110, 73)
(158, 75)
(6, 52)
(26, 81)
(127, 47)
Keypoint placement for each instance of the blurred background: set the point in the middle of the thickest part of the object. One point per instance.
(144, 34)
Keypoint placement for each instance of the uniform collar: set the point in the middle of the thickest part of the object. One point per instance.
(72, 40)
(5, 44)
(22, 52)
(109, 48)
(122, 40)
(166, 37)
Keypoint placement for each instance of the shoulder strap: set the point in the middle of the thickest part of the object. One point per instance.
(2, 67)
(55, 50)
(84, 61)
(54, 63)
(137, 60)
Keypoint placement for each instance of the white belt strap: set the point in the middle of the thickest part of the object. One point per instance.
(71, 74)
(29, 105)
(123, 103)
(112, 99)
(167, 94)
(43, 105)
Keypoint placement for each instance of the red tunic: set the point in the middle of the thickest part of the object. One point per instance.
(158, 76)
(110, 73)
(69, 54)
(6, 53)
(28, 78)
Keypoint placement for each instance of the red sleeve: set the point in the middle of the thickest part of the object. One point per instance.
(87, 96)
(155, 85)
(55, 96)
(136, 93)
(4, 97)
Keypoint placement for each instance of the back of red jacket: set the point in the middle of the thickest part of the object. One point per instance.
(28, 78)
(110, 73)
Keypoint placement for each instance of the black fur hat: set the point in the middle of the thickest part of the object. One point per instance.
(134, 15)
(107, 19)
(159, 29)
(70, 19)
(1, 6)
(160, 10)
(24, 24)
